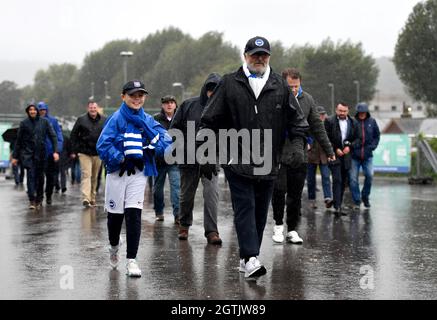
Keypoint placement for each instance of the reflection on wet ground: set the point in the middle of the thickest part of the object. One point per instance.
(387, 252)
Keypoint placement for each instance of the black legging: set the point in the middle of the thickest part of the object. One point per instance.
(133, 230)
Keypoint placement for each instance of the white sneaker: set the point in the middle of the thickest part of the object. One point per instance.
(254, 268)
(278, 234)
(132, 269)
(114, 259)
(242, 267)
(293, 237)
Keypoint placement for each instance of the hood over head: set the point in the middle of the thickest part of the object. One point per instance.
(30, 105)
(362, 107)
(211, 82)
(43, 106)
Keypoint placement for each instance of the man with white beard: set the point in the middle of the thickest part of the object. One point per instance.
(254, 98)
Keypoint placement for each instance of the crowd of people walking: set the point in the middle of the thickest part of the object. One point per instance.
(131, 145)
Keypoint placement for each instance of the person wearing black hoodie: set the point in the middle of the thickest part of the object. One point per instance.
(189, 113)
(30, 149)
(362, 155)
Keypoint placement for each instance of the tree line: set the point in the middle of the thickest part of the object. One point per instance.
(170, 56)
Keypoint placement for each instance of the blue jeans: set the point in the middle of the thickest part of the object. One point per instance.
(367, 167)
(158, 188)
(326, 181)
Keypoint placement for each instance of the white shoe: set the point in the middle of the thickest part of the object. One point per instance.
(278, 234)
(254, 268)
(114, 259)
(293, 237)
(132, 269)
(242, 267)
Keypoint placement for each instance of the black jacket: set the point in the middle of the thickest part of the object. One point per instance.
(85, 133)
(30, 147)
(234, 106)
(317, 130)
(191, 110)
(333, 130)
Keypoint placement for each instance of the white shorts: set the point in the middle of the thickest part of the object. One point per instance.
(124, 192)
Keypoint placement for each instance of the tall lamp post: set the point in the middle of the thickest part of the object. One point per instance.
(331, 85)
(92, 91)
(357, 83)
(179, 84)
(107, 97)
(125, 55)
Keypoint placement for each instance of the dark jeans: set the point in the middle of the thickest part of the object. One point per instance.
(99, 176)
(190, 177)
(51, 172)
(61, 175)
(18, 172)
(291, 182)
(35, 181)
(339, 181)
(133, 230)
(63, 171)
(158, 188)
(250, 201)
(75, 171)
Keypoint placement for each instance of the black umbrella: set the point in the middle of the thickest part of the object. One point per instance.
(10, 135)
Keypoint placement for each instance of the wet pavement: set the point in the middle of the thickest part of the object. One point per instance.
(60, 252)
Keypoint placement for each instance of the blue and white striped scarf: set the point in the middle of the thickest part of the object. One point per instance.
(136, 135)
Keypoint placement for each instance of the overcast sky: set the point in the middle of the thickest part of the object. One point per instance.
(66, 30)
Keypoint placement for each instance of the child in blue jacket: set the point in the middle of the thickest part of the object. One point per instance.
(127, 145)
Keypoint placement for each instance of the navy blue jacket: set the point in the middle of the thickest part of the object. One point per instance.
(367, 135)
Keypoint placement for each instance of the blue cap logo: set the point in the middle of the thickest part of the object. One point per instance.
(259, 42)
(137, 84)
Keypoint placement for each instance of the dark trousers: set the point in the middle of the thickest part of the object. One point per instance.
(75, 171)
(61, 174)
(35, 181)
(250, 201)
(51, 172)
(63, 171)
(190, 177)
(18, 172)
(99, 176)
(290, 182)
(133, 230)
(339, 181)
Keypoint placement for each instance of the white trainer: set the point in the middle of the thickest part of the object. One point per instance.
(293, 237)
(278, 234)
(114, 258)
(132, 269)
(254, 268)
(242, 267)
